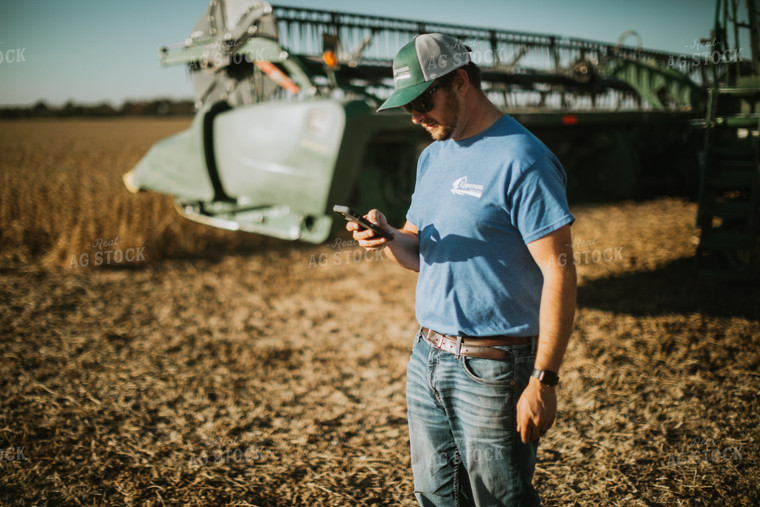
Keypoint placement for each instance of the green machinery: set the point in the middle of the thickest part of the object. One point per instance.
(729, 191)
(286, 123)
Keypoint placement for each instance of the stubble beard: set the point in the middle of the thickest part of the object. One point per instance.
(445, 128)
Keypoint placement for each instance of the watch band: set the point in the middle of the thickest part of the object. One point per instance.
(546, 377)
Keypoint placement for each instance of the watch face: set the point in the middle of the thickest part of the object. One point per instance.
(546, 377)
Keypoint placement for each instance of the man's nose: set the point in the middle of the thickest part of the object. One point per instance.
(417, 117)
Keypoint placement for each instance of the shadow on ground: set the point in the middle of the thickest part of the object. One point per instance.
(675, 288)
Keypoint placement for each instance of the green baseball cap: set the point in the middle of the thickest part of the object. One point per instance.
(425, 59)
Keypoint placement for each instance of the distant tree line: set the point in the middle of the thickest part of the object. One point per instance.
(157, 107)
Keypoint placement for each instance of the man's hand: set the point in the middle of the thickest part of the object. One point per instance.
(536, 410)
(367, 238)
(404, 250)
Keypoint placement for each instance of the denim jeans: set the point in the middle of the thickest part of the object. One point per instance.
(464, 445)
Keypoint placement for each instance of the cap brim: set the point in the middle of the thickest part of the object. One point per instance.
(404, 95)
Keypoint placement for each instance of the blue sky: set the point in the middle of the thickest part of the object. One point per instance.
(91, 51)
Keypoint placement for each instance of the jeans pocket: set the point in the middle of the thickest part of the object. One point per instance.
(525, 359)
(489, 371)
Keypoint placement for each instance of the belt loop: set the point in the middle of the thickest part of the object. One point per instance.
(459, 346)
(533, 345)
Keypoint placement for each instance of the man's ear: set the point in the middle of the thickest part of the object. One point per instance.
(461, 81)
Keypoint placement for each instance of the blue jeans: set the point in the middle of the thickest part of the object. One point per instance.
(464, 445)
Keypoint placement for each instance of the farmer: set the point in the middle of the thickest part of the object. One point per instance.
(488, 230)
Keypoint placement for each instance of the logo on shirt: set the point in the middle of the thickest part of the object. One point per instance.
(461, 187)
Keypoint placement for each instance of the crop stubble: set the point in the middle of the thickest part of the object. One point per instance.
(226, 368)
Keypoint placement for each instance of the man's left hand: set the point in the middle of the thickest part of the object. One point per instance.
(536, 410)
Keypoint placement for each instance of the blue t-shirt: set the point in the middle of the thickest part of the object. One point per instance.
(476, 204)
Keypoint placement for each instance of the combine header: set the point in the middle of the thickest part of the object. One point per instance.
(286, 123)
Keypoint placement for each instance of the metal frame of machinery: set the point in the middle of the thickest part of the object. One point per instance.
(286, 123)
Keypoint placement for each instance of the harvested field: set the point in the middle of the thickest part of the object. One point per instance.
(219, 368)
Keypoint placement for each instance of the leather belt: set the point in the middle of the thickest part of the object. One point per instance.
(473, 346)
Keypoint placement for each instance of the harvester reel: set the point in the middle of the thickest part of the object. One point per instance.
(224, 72)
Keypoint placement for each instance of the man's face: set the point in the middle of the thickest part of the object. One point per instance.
(443, 118)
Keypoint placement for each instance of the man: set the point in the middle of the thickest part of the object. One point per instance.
(488, 230)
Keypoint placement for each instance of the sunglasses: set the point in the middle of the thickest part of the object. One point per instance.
(423, 103)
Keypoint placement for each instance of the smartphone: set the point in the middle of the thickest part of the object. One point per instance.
(352, 216)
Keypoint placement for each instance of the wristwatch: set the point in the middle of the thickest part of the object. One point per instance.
(546, 377)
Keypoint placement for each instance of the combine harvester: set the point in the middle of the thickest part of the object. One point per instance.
(729, 184)
(286, 123)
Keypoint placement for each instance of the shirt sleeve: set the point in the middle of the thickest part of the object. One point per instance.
(413, 213)
(538, 199)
